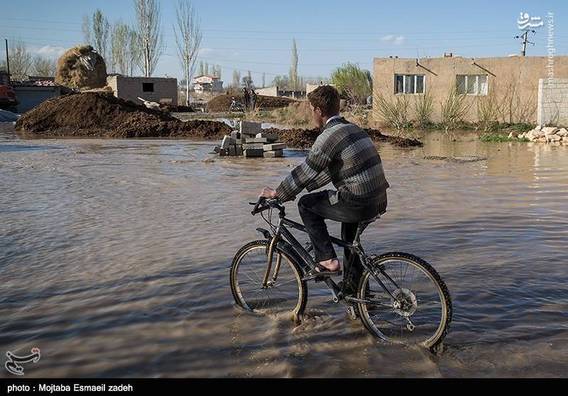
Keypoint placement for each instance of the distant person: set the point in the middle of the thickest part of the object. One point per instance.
(246, 98)
(345, 155)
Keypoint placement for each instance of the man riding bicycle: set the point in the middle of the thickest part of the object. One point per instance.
(345, 155)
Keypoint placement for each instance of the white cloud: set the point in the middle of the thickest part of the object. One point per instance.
(393, 39)
(49, 50)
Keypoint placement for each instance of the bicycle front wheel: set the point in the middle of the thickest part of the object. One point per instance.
(285, 292)
(415, 308)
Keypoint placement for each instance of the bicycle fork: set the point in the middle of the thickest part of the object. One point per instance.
(266, 282)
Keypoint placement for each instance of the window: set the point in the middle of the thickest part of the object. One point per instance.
(471, 84)
(408, 83)
(147, 87)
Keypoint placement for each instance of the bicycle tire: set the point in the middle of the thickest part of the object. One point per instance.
(445, 298)
(288, 258)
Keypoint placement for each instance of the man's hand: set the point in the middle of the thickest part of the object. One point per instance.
(268, 192)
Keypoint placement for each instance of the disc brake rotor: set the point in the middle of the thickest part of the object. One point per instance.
(405, 303)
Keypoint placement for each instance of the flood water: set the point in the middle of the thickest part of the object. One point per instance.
(114, 259)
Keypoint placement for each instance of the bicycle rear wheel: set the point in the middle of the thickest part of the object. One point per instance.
(421, 310)
(286, 292)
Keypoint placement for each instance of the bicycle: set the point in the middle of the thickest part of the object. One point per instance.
(415, 312)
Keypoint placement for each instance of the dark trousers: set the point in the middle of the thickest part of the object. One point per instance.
(314, 208)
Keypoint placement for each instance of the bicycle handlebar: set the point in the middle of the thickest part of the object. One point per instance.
(263, 204)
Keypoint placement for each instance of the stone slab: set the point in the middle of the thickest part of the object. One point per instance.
(273, 154)
(249, 153)
(274, 146)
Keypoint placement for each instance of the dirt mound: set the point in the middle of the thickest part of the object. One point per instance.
(222, 103)
(176, 108)
(95, 114)
(305, 138)
(81, 67)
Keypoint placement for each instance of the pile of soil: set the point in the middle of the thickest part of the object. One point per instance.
(305, 138)
(176, 108)
(97, 114)
(222, 103)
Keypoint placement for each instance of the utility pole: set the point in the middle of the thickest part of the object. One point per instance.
(7, 58)
(525, 37)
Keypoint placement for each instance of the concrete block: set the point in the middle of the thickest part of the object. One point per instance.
(253, 146)
(233, 150)
(239, 149)
(256, 140)
(250, 128)
(227, 141)
(274, 146)
(249, 153)
(273, 154)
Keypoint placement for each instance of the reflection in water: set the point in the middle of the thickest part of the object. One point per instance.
(114, 261)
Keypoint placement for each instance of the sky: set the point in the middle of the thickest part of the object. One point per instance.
(256, 36)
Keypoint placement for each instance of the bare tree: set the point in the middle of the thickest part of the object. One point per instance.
(149, 34)
(20, 61)
(294, 66)
(44, 67)
(188, 40)
(120, 48)
(134, 52)
(236, 78)
(100, 34)
(86, 27)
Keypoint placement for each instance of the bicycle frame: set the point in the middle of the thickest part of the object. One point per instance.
(308, 264)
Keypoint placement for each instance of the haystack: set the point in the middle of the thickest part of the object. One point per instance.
(81, 67)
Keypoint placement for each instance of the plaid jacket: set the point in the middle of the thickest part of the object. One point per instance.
(345, 155)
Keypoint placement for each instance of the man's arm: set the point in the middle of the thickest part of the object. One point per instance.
(321, 180)
(304, 174)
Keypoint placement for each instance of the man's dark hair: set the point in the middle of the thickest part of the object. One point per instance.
(326, 98)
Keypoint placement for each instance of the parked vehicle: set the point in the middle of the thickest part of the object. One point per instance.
(8, 99)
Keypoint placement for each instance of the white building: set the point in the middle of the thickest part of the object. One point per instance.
(207, 83)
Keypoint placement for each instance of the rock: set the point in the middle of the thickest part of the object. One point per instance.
(511, 135)
(549, 130)
(273, 154)
(562, 132)
(555, 138)
(274, 146)
(538, 128)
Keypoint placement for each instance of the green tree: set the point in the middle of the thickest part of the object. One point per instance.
(352, 82)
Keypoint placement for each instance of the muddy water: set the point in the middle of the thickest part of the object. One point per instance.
(114, 257)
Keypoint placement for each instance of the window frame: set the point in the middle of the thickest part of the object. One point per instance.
(477, 84)
(414, 84)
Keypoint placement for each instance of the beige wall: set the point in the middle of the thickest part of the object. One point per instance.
(521, 73)
(130, 88)
(553, 101)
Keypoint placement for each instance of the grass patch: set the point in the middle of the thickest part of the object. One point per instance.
(500, 138)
